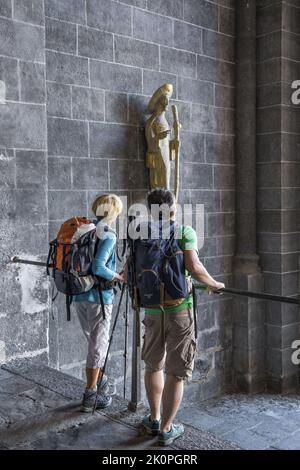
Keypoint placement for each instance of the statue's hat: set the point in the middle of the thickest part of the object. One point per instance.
(164, 90)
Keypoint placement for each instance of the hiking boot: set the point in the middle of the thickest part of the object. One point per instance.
(106, 387)
(166, 438)
(89, 397)
(149, 426)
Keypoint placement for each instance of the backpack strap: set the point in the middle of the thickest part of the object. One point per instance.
(195, 310)
(101, 301)
(163, 313)
(69, 299)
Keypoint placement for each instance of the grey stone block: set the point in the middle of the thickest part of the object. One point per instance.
(68, 10)
(290, 46)
(290, 119)
(192, 147)
(195, 91)
(138, 110)
(21, 40)
(218, 45)
(33, 202)
(6, 8)
(116, 107)
(109, 16)
(87, 103)
(124, 176)
(269, 199)
(290, 69)
(269, 19)
(291, 18)
(31, 169)
(214, 70)
(7, 168)
(227, 21)
(279, 363)
(134, 52)
(224, 177)
(210, 199)
(269, 46)
(290, 147)
(208, 340)
(67, 137)
(9, 75)
(152, 80)
(32, 79)
(66, 68)
(245, 338)
(95, 44)
(23, 126)
(205, 119)
(136, 3)
(220, 224)
(58, 99)
(90, 173)
(197, 176)
(60, 36)
(227, 200)
(282, 337)
(224, 96)
(188, 37)
(202, 13)
(25, 333)
(249, 361)
(115, 77)
(178, 62)
(151, 27)
(59, 173)
(31, 11)
(269, 95)
(112, 140)
(74, 204)
(281, 314)
(167, 7)
(269, 120)
(269, 147)
(269, 71)
(219, 149)
(218, 265)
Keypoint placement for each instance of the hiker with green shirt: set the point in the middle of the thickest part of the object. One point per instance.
(169, 342)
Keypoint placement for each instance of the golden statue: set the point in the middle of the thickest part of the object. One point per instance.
(161, 149)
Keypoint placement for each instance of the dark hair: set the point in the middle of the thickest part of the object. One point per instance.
(159, 197)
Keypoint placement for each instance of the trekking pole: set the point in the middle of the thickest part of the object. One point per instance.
(15, 259)
(109, 345)
(126, 342)
(255, 295)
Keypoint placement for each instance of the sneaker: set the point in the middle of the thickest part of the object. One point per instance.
(89, 397)
(166, 438)
(149, 426)
(106, 387)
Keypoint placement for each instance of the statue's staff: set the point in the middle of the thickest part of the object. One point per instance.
(176, 149)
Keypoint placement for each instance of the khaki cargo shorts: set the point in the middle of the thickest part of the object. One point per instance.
(177, 353)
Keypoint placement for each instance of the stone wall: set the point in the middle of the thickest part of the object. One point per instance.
(23, 180)
(104, 59)
(278, 144)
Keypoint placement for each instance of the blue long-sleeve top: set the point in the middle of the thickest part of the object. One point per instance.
(104, 265)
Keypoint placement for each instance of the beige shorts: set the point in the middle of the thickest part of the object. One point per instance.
(176, 354)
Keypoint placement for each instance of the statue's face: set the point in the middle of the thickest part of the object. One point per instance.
(164, 103)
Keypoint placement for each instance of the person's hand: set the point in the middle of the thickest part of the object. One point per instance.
(120, 277)
(164, 134)
(216, 289)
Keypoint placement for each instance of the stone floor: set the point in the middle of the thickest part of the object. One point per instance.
(39, 409)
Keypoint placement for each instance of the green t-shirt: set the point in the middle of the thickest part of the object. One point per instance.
(187, 241)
